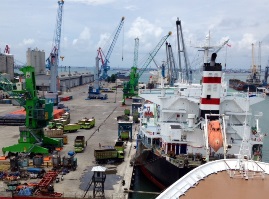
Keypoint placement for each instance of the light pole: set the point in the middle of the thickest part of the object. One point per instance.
(116, 92)
(69, 86)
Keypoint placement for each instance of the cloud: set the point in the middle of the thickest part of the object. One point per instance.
(103, 41)
(246, 41)
(144, 30)
(93, 2)
(131, 7)
(28, 41)
(84, 37)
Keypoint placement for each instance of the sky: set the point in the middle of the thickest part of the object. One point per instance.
(88, 25)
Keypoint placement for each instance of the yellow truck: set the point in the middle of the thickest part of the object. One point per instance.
(86, 123)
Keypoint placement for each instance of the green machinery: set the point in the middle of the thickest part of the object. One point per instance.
(130, 88)
(38, 113)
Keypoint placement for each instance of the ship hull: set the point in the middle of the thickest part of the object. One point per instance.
(158, 170)
(239, 85)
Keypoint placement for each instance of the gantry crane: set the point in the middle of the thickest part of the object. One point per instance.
(104, 66)
(38, 113)
(53, 59)
(130, 88)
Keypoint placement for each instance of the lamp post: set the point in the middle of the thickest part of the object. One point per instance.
(69, 82)
(116, 91)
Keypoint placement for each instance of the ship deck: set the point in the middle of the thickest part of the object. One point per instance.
(221, 186)
(226, 178)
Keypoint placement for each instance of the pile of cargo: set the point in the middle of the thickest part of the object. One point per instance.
(56, 133)
(22, 173)
(17, 182)
(12, 120)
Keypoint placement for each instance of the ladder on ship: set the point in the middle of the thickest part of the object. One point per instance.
(245, 165)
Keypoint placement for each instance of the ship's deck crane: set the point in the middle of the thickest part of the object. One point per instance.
(182, 49)
(105, 62)
(172, 70)
(266, 72)
(53, 59)
(38, 113)
(130, 88)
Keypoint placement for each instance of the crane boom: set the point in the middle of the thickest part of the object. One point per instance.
(172, 70)
(105, 66)
(131, 87)
(183, 49)
(136, 52)
(152, 54)
(53, 59)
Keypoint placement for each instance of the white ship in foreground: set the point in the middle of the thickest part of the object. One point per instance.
(188, 125)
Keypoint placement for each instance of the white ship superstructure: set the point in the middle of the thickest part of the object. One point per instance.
(177, 121)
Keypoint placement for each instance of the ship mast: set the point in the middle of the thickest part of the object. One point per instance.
(207, 47)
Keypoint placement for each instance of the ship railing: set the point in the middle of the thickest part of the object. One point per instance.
(193, 177)
(258, 93)
(156, 91)
(144, 141)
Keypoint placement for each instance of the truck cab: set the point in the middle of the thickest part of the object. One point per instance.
(80, 144)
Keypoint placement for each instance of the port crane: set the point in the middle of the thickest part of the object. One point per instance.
(38, 113)
(94, 91)
(255, 76)
(265, 82)
(53, 59)
(130, 88)
(105, 67)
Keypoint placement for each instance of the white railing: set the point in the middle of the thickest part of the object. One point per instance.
(192, 178)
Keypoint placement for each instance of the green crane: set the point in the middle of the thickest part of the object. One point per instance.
(130, 88)
(38, 113)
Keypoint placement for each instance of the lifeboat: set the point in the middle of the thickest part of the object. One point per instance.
(148, 114)
(215, 137)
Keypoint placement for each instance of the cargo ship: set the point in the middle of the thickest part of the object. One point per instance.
(185, 126)
(253, 79)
